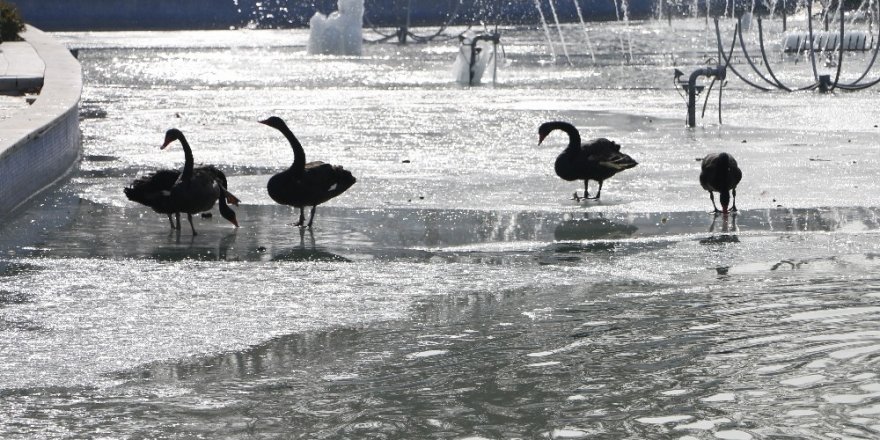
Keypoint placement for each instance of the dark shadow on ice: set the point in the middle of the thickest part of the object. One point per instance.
(593, 229)
(179, 246)
(728, 230)
(306, 253)
(62, 226)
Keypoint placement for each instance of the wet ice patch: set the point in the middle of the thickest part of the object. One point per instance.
(733, 435)
(675, 392)
(869, 411)
(721, 397)
(803, 381)
(565, 433)
(100, 315)
(850, 398)
(426, 354)
(702, 425)
(832, 313)
(665, 420)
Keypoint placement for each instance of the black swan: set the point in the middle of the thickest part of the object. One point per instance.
(597, 159)
(192, 190)
(305, 184)
(152, 190)
(720, 173)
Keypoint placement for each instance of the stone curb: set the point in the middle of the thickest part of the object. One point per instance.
(40, 144)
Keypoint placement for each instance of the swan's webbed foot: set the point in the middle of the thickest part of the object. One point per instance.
(586, 196)
(302, 219)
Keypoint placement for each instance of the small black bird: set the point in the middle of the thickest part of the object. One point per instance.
(720, 173)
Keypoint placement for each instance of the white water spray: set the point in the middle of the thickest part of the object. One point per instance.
(623, 6)
(559, 30)
(340, 33)
(586, 34)
(546, 30)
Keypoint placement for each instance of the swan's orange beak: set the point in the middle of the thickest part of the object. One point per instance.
(264, 122)
(541, 137)
(168, 140)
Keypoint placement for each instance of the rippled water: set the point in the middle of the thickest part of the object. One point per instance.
(455, 291)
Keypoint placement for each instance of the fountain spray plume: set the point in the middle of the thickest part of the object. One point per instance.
(559, 30)
(546, 30)
(624, 6)
(586, 34)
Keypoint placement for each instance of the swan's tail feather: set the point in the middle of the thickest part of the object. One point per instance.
(343, 180)
(231, 199)
(619, 162)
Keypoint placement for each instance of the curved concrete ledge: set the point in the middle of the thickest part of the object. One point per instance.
(40, 144)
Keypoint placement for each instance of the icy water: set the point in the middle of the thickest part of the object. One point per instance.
(455, 291)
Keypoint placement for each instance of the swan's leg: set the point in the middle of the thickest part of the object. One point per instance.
(302, 217)
(576, 198)
(177, 215)
(598, 193)
(171, 221)
(312, 215)
(190, 218)
(712, 198)
(733, 208)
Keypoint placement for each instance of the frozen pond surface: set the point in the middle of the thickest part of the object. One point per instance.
(455, 291)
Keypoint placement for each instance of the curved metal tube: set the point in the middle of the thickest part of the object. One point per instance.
(717, 72)
(812, 86)
(870, 65)
(706, 101)
(812, 41)
(726, 58)
(745, 52)
(720, 89)
(495, 39)
(839, 52)
(766, 61)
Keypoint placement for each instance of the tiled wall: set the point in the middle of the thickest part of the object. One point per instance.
(39, 160)
(41, 143)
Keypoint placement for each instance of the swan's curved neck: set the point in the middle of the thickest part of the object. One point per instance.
(574, 136)
(299, 155)
(188, 159)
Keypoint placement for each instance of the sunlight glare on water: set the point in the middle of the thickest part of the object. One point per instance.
(455, 291)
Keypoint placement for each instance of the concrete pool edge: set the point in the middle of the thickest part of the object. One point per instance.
(40, 144)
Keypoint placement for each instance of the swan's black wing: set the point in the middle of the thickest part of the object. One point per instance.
(152, 189)
(606, 154)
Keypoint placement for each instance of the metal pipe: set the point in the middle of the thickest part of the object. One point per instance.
(812, 41)
(726, 58)
(745, 52)
(494, 38)
(839, 54)
(718, 72)
(764, 56)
